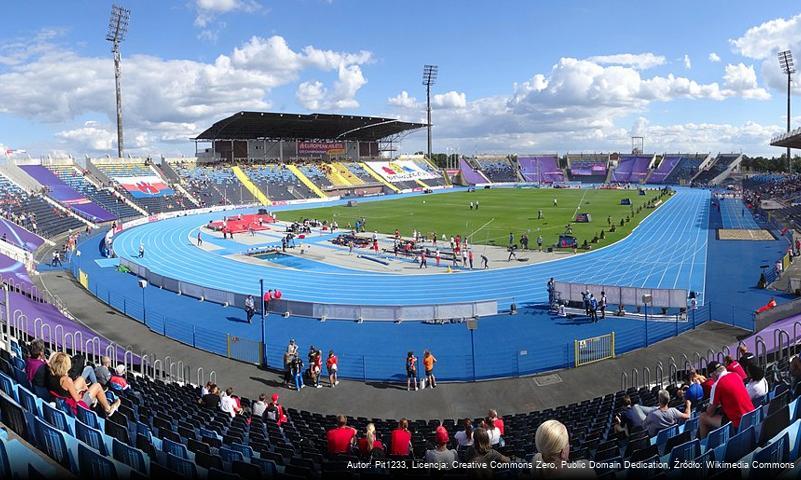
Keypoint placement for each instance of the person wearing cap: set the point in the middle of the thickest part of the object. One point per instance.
(275, 411)
(710, 381)
(441, 457)
(730, 395)
(117, 380)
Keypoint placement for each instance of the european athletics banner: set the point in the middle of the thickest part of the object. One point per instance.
(146, 186)
(401, 171)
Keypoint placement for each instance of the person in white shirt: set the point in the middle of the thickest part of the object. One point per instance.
(260, 406)
(464, 438)
(757, 386)
(493, 432)
(228, 403)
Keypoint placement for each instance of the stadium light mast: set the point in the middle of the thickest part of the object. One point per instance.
(429, 78)
(787, 66)
(117, 29)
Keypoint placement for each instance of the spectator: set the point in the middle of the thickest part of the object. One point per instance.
(746, 357)
(493, 432)
(411, 371)
(730, 395)
(275, 411)
(228, 403)
(36, 369)
(710, 381)
(260, 405)
(496, 420)
(75, 392)
(79, 368)
(631, 416)
(206, 389)
(428, 363)
(464, 437)
(664, 416)
(118, 381)
(482, 454)
(734, 366)
(553, 447)
(694, 391)
(757, 386)
(103, 371)
(441, 457)
(296, 369)
(212, 399)
(341, 438)
(401, 440)
(369, 442)
(331, 365)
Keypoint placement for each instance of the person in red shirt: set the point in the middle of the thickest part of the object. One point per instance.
(331, 365)
(401, 440)
(709, 382)
(341, 438)
(275, 411)
(734, 366)
(369, 442)
(730, 395)
(496, 420)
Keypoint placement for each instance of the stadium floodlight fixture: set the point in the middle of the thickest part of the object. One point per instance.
(430, 73)
(788, 67)
(117, 29)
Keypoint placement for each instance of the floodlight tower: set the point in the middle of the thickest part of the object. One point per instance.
(429, 78)
(787, 66)
(117, 29)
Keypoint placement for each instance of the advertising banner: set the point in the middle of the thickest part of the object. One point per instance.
(401, 171)
(146, 186)
(330, 148)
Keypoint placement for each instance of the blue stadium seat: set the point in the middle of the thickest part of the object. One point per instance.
(229, 455)
(182, 466)
(89, 417)
(5, 464)
(7, 385)
(716, 437)
(244, 449)
(95, 466)
(174, 448)
(750, 419)
(56, 418)
(133, 457)
(685, 451)
(90, 436)
(53, 442)
(739, 445)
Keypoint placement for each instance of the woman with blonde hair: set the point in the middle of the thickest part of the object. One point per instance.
(75, 391)
(553, 452)
(369, 442)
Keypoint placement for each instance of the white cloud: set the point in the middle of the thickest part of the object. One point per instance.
(714, 57)
(640, 61)
(688, 64)
(311, 95)
(207, 10)
(763, 41)
(168, 100)
(403, 100)
(742, 80)
(91, 136)
(450, 99)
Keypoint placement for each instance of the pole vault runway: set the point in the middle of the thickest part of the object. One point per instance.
(667, 250)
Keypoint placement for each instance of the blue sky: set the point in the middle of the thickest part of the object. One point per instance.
(519, 76)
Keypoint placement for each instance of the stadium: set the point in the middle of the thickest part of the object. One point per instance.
(299, 299)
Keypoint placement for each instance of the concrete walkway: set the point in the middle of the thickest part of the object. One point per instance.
(388, 400)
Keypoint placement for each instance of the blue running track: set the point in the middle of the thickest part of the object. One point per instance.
(667, 250)
(735, 216)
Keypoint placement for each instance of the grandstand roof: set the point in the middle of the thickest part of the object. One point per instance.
(314, 126)
(789, 139)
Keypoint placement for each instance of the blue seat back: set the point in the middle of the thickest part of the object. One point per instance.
(133, 457)
(182, 466)
(89, 417)
(244, 449)
(691, 426)
(56, 418)
(229, 455)
(750, 419)
(7, 385)
(28, 400)
(52, 442)
(664, 434)
(90, 436)
(740, 445)
(775, 452)
(177, 449)
(686, 451)
(5, 464)
(94, 465)
(718, 436)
